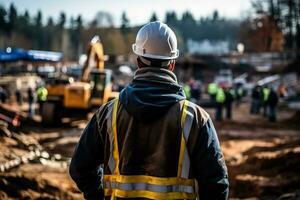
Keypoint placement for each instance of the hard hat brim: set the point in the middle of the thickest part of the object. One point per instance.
(140, 52)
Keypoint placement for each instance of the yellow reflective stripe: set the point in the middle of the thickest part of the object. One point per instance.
(149, 194)
(149, 179)
(112, 195)
(115, 136)
(182, 148)
(182, 144)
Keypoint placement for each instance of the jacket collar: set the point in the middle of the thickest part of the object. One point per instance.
(155, 74)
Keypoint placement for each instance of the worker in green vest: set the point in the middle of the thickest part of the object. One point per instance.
(187, 91)
(212, 91)
(220, 100)
(265, 93)
(42, 94)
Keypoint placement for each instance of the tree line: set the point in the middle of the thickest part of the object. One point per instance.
(70, 35)
(275, 18)
(20, 30)
(276, 23)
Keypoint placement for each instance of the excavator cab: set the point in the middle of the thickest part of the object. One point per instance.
(101, 86)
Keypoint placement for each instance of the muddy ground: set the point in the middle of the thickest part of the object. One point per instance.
(263, 158)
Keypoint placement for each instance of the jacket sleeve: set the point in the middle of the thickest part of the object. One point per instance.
(88, 156)
(208, 164)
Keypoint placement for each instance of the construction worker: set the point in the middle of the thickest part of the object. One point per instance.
(282, 91)
(212, 91)
(42, 94)
(265, 96)
(272, 104)
(195, 86)
(255, 103)
(31, 100)
(187, 91)
(151, 141)
(239, 94)
(18, 95)
(3, 95)
(229, 98)
(220, 100)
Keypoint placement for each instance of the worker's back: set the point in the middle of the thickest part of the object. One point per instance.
(145, 153)
(151, 146)
(151, 141)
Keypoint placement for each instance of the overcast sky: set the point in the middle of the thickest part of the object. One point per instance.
(138, 11)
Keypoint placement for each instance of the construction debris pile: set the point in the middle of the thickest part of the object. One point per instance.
(28, 167)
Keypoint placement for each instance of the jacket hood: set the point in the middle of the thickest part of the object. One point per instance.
(151, 93)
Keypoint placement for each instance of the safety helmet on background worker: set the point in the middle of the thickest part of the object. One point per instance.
(156, 40)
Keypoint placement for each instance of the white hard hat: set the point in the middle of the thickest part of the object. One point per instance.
(157, 41)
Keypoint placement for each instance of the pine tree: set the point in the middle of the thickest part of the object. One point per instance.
(153, 17)
(124, 23)
(12, 18)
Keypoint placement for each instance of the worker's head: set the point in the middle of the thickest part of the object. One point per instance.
(156, 46)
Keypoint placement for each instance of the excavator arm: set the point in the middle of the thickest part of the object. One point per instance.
(95, 54)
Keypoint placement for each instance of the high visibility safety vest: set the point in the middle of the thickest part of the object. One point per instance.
(220, 97)
(144, 186)
(266, 92)
(187, 91)
(232, 92)
(42, 94)
(212, 89)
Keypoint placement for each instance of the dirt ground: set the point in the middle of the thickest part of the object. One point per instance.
(263, 158)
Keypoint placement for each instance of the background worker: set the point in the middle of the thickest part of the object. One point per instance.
(255, 100)
(220, 100)
(195, 86)
(3, 95)
(265, 96)
(18, 95)
(187, 91)
(151, 138)
(239, 94)
(212, 91)
(42, 94)
(282, 91)
(229, 98)
(31, 100)
(272, 105)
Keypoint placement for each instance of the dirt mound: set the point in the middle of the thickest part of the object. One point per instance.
(265, 169)
(18, 186)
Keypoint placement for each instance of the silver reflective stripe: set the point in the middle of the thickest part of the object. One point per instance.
(186, 131)
(111, 161)
(188, 124)
(185, 164)
(149, 187)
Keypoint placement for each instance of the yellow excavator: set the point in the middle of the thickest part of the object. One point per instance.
(68, 98)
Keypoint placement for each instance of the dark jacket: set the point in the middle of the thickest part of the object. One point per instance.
(256, 94)
(228, 97)
(272, 98)
(148, 124)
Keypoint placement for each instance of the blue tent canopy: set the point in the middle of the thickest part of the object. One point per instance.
(30, 55)
(12, 56)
